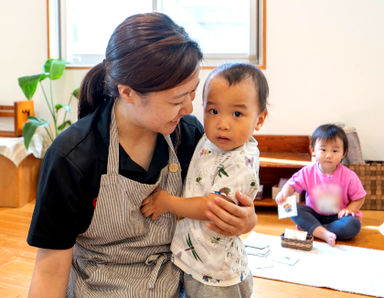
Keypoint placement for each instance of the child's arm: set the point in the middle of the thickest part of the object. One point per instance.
(222, 216)
(160, 202)
(287, 191)
(352, 208)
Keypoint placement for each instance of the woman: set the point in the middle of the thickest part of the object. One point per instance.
(134, 136)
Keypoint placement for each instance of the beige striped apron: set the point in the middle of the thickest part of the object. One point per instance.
(123, 254)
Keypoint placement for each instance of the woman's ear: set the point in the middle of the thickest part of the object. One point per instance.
(260, 119)
(125, 93)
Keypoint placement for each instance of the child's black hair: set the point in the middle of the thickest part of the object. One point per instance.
(330, 132)
(236, 72)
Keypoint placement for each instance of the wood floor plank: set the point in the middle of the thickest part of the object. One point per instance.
(266, 288)
(11, 291)
(17, 258)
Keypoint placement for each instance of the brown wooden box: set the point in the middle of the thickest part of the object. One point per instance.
(18, 184)
(19, 111)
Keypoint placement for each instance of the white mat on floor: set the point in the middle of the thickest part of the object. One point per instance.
(344, 268)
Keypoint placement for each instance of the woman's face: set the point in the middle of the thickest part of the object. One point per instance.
(161, 111)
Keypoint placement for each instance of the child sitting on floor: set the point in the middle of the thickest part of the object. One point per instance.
(334, 193)
(225, 160)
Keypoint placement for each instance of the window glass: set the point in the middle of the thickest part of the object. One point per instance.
(220, 27)
(225, 29)
(88, 25)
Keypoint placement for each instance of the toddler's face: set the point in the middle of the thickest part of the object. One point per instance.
(231, 113)
(329, 154)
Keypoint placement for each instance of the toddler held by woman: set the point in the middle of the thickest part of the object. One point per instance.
(225, 161)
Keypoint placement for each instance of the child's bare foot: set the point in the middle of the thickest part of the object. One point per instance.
(324, 234)
(331, 239)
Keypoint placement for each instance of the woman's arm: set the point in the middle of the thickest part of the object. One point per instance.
(51, 273)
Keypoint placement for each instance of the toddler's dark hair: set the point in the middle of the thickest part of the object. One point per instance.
(329, 132)
(236, 72)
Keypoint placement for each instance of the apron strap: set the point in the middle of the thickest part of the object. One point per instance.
(156, 260)
(174, 168)
(113, 151)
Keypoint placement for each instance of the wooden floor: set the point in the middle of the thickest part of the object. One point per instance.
(17, 258)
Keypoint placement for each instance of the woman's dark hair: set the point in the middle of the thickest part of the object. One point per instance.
(236, 72)
(147, 52)
(329, 132)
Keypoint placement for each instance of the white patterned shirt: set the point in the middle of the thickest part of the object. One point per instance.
(209, 257)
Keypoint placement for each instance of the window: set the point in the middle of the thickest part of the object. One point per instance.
(225, 29)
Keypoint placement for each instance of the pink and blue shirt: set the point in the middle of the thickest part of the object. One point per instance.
(328, 194)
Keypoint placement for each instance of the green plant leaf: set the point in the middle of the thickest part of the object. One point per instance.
(60, 106)
(30, 127)
(38, 121)
(76, 93)
(64, 124)
(28, 84)
(55, 68)
(28, 132)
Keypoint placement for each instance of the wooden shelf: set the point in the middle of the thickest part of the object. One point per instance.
(266, 202)
(280, 157)
(284, 160)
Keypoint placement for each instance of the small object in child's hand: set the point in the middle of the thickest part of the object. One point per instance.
(287, 208)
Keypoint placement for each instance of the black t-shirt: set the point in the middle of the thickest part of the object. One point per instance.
(71, 171)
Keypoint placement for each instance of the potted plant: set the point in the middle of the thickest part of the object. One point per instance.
(53, 69)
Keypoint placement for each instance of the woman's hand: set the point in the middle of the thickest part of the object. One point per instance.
(229, 219)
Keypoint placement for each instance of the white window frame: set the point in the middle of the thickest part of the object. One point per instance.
(56, 31)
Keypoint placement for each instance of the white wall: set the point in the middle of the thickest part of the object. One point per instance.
(23, 39)
(324, 64)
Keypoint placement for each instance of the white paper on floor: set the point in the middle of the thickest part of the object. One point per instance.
(342, 267)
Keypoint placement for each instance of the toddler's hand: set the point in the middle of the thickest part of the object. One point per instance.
(281, 197)
(345, 212)
(155, 204)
